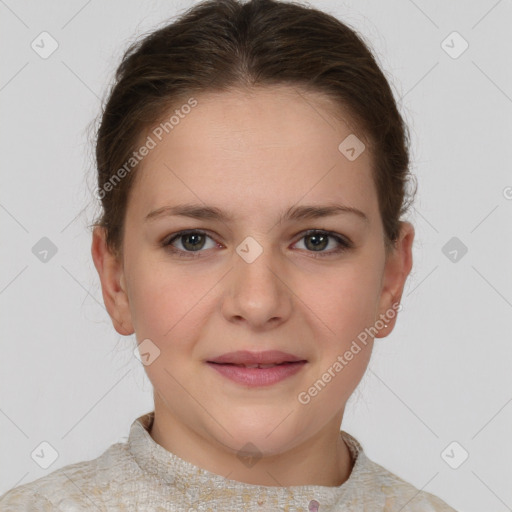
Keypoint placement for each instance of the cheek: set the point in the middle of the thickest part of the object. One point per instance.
(345, 299)
(168, 304)
(157, 300)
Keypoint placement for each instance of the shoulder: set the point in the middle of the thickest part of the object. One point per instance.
(397, 494)
(73, 487)
(376, 488)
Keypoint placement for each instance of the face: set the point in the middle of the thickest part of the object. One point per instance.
(273, 273)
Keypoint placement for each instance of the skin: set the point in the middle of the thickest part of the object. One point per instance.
(254, 154)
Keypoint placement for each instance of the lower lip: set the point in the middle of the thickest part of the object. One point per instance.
(254, 377)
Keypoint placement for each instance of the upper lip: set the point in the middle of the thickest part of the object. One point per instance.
(248, 358)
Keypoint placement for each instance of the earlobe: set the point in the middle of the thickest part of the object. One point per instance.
(110, 271)
(397, 268)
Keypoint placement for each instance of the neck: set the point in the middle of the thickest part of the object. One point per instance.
(313, 462)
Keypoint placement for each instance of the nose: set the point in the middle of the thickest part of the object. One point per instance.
(257, 292)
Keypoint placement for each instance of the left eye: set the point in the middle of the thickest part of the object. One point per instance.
(317, 240)
(193, 241)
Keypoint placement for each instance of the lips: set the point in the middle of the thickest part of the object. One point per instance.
(257, 369)
(256, 366)
(248, 359)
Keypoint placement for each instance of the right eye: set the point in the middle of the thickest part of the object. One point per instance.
(192, 241)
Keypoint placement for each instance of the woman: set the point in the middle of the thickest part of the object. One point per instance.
(252, 170)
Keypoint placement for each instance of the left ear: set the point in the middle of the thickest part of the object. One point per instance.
(397, 267)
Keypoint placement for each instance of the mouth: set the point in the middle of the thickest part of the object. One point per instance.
(254, 369)
(253, 359)
(260, 366)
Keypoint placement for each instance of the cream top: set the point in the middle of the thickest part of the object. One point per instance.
(140, 474)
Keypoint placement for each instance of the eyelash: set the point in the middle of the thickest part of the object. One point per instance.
(345, 243)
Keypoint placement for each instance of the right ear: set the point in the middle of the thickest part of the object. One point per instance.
(111, 273)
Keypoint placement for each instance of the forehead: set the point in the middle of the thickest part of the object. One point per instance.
(254, 148)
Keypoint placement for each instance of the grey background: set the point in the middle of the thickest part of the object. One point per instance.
(66, 376)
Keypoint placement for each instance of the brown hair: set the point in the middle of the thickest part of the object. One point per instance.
(223, 44)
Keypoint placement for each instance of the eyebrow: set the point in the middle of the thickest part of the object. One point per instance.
(198, 211)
